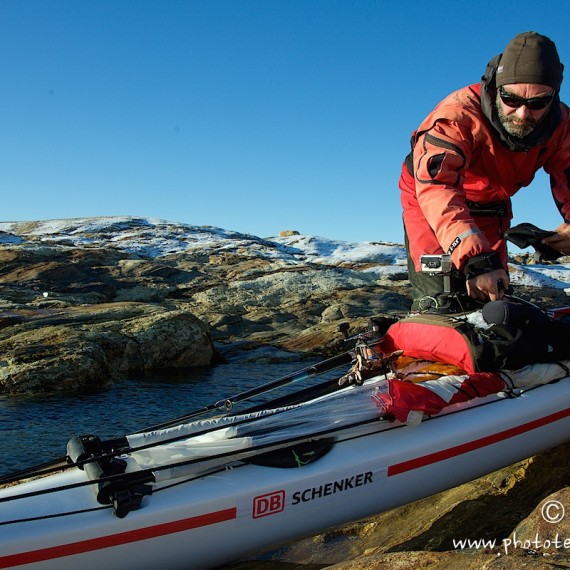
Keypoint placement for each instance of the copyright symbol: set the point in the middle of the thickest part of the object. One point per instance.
(553, 511)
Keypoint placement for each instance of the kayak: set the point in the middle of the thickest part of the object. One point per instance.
(220, 489)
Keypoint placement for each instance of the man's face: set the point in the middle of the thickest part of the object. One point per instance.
(521, 106)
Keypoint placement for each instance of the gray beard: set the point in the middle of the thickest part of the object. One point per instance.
(514, 127)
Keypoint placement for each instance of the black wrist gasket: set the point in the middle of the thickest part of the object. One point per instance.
(482, 263)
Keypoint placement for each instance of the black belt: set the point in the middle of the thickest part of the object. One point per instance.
(492, 209)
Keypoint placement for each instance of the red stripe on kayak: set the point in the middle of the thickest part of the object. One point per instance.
(450, 452)
(116, 539)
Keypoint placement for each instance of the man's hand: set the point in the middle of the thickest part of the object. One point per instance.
(560, 240)
(488, 286)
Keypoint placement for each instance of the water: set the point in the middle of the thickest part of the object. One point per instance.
(36, 429)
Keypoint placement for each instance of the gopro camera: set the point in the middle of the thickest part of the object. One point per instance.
(436, 264)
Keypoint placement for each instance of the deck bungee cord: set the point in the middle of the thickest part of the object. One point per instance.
(109, 506)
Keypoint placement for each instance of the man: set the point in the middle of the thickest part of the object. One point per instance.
(471, 154)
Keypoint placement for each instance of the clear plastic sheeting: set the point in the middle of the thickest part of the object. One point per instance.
(536, 374)
(331, 413)
(219, 441)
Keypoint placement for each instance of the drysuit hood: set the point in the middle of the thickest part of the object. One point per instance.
(542, 131)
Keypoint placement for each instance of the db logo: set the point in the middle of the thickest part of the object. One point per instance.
(268, 504)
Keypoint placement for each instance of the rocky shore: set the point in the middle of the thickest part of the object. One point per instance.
(86, 302)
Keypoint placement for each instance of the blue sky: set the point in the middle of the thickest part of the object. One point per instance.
(250, 115)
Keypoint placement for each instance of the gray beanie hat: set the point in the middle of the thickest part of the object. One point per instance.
(530, 58)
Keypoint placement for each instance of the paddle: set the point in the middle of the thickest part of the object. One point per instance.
(227, 404)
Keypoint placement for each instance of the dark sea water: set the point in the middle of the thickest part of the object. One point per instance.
(34, 430)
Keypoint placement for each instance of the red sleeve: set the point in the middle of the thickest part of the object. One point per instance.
(558, 166)
(441, 156)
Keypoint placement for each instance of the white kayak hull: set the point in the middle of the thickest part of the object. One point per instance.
(219, 518)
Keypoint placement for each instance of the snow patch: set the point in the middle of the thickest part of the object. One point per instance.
(153, 237)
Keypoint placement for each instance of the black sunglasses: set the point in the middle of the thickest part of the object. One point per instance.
(534, 103)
